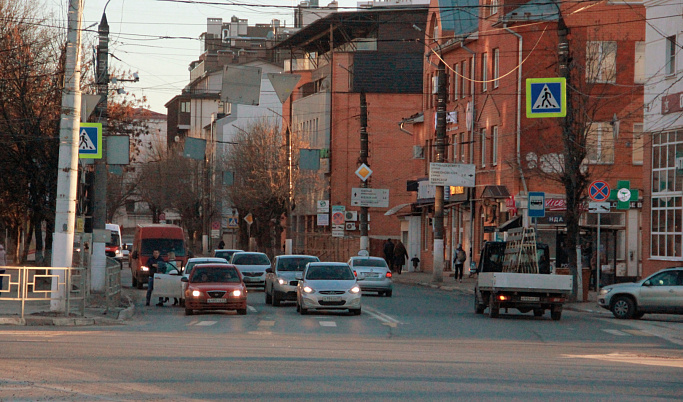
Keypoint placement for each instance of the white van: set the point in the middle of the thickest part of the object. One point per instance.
(114, 247)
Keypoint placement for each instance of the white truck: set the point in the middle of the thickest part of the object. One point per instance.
(512, 276)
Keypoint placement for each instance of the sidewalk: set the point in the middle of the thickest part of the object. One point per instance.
(467, 287)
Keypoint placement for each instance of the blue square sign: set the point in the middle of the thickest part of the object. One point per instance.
(90, 141)
(536, 204)
(546, 97)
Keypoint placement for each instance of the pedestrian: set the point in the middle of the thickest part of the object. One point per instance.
(400, 256)
(389, 254)
(459, 262)
(153, 264)
(3, 263)
(221, 245)
(416, 262)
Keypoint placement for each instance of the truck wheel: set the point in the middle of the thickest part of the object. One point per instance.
(478, 307)
(623, 307)
(556, 313)
(538, 312)
(269, 297)
(494, 309)
(275, 298)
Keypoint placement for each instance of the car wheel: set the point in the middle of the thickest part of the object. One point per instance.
(623, 307)
(356, 311)
(275, 298)
(556, 313)
(269, 298)
(478, 307)
(494, 309)
(538, 312)
(188, 311)
(242, 311)
(388, 293)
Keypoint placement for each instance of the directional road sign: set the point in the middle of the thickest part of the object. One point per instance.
(370, 197)
(536, 204)
(599, 191)
(90, 141)
(451, 174)
(546, 97)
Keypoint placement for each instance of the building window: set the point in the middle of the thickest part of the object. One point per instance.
(456, 80)
(184, 107)
(484, 73)
(639, 64)
(464, 78)
(483, 147)
(637, 145)
(451, 84)
(455, 148)
(670, 62)
(496, 67)
(601, 61)
(667, 204)
(494, 6)
(494, 145)
(600, 144)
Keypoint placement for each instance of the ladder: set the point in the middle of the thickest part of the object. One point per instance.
(520, 252)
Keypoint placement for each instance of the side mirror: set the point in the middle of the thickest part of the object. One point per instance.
(135, 255)
(184, 279)
(299, 275)
(269, 270)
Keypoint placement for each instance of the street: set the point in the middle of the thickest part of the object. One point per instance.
(421, 343)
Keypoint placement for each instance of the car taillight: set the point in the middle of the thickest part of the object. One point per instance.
(388, 274)
(355, 274)
(503, 297)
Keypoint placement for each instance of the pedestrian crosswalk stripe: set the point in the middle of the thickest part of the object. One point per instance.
(328, 324)
(638, 332)
(252, 309)
(616, 332)
(266, 323)
(205, 323)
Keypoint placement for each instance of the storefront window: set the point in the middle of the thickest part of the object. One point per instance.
(667, 204)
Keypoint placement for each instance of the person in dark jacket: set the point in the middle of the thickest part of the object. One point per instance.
(400, 256)
(153, 264)
(389, 254)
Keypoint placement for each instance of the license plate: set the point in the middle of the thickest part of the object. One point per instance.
(216, 301)
(529, 298)
(372, 275)
(331, 298)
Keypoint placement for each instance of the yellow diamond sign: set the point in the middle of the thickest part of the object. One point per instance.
(364, 172)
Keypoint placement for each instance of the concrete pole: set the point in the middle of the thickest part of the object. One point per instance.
(67, 173)
(99, 214)
(364, 239)
(439, 193)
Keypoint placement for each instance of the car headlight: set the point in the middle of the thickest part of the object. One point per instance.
(355, 289)
(308, 289)
(196, 293)
(144, 268)
(237, 293)
(281, 281)
(604, 291)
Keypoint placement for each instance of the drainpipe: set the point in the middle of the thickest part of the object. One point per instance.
(474, 113)
(519, 106)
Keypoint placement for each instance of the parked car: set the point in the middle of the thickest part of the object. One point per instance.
(169, 284)
(661, 292)
(150, 237)
(215, 287)
(328, 286)
(225, 253)
(281, 278)
(252, 266)
(373, 274)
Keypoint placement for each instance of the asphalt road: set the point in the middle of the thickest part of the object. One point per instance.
(420, 344)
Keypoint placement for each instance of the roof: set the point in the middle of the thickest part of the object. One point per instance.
(495, 192)
(356, 24)
(534, 10)
(141, 113)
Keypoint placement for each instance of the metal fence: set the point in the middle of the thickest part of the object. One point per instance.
(32, 284)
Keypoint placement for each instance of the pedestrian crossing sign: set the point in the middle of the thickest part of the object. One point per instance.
(546, 97)
(90, 141)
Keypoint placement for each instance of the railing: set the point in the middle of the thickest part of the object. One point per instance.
(30, 284)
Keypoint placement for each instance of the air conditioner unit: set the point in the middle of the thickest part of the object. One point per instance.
(418, 152)
(350, 226)
(351, 216)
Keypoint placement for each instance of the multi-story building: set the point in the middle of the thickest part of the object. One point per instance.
(490, 48)
(375, 51)
(663, 144)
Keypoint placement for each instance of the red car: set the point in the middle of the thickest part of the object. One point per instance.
(215, 287)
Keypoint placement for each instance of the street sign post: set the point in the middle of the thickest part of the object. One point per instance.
(598, 191)
(90, 141)
(598, 207)
(370, 197)
(546, 97)
(536, 204)
(451, 174)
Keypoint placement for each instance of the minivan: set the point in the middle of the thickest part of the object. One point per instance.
(114, 248)
(150, 237)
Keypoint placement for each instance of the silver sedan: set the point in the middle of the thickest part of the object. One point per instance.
(373, 274)
(328, 286)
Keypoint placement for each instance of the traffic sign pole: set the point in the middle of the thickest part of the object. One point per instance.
(364, 238)
(598, 191)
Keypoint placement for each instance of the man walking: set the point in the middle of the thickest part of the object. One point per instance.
(400, 256)
(389, 254)
(153, 264)
(459, 262)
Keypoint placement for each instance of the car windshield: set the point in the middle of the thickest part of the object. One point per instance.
(250, 259)
(114, 241)
(294, 264)
(215, 275)
(164, 246)
(360, 262)
(330, 273)
(225, 253)
(191, 264)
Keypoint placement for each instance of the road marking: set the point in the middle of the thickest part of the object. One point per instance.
(206, 323)
(386, 319)
(266, 323)
(252, 309)
(638, 332)
(662, 361)
(616, 332)
(327, 324)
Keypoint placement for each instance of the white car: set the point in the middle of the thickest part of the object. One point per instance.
(328, 286)
(252, 266)
(281, 279)
(373, 274)
(169, 284)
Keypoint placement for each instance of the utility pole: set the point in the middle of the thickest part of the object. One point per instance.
(67, 173)
(364, 239)
(439, 193)
(288, 204)
(99, 213)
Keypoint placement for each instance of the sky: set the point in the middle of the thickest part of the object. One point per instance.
(159, 38)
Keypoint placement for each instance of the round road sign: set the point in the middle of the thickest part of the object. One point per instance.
(337, 218)
(599, 191)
